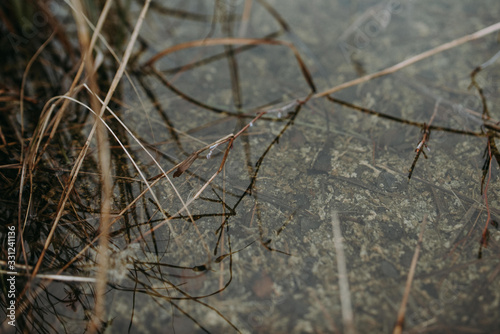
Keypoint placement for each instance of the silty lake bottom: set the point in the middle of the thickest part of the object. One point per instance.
(272, 183)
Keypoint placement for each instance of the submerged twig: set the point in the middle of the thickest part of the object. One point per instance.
(245, 18)
(236, 41)
(412, 60)
(345, 295)
(183, 166)
(402, 310)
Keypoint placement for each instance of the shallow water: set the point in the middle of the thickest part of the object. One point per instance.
(258, 255)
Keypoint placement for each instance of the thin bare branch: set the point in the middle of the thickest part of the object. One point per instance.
(236, 41)
(402, 310)
(412, 60)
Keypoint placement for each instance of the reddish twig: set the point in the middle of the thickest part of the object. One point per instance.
(423, 142)
(485, 234)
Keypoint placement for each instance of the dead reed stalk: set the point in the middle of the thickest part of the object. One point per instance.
(402, 310)
(104, 158)
(412, 60)
(345, 294)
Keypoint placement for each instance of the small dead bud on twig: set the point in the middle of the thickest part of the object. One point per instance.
(183, 166)
(423, 142)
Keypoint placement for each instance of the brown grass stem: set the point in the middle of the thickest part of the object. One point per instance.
(33, 150)
(84, 150)
(23, 169)
(245, 18)
(104, 163)
(402, 310)
(236, 41)
(412, 60)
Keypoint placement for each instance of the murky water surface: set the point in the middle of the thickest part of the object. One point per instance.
(257, 254)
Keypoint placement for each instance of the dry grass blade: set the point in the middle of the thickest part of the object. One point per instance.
(66, 278)
(25, 75)
(152, 249)
(345, 295)
(81, 157)
(236, 41)
(184, 165)
(31, 161)
(402, 310)
(425, 139)
(72, 90)
(24, 166)
(245, 18)
(34, 145)
(163, 174)
(104, 157)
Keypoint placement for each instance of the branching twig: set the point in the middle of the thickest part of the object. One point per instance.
(235, 41)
